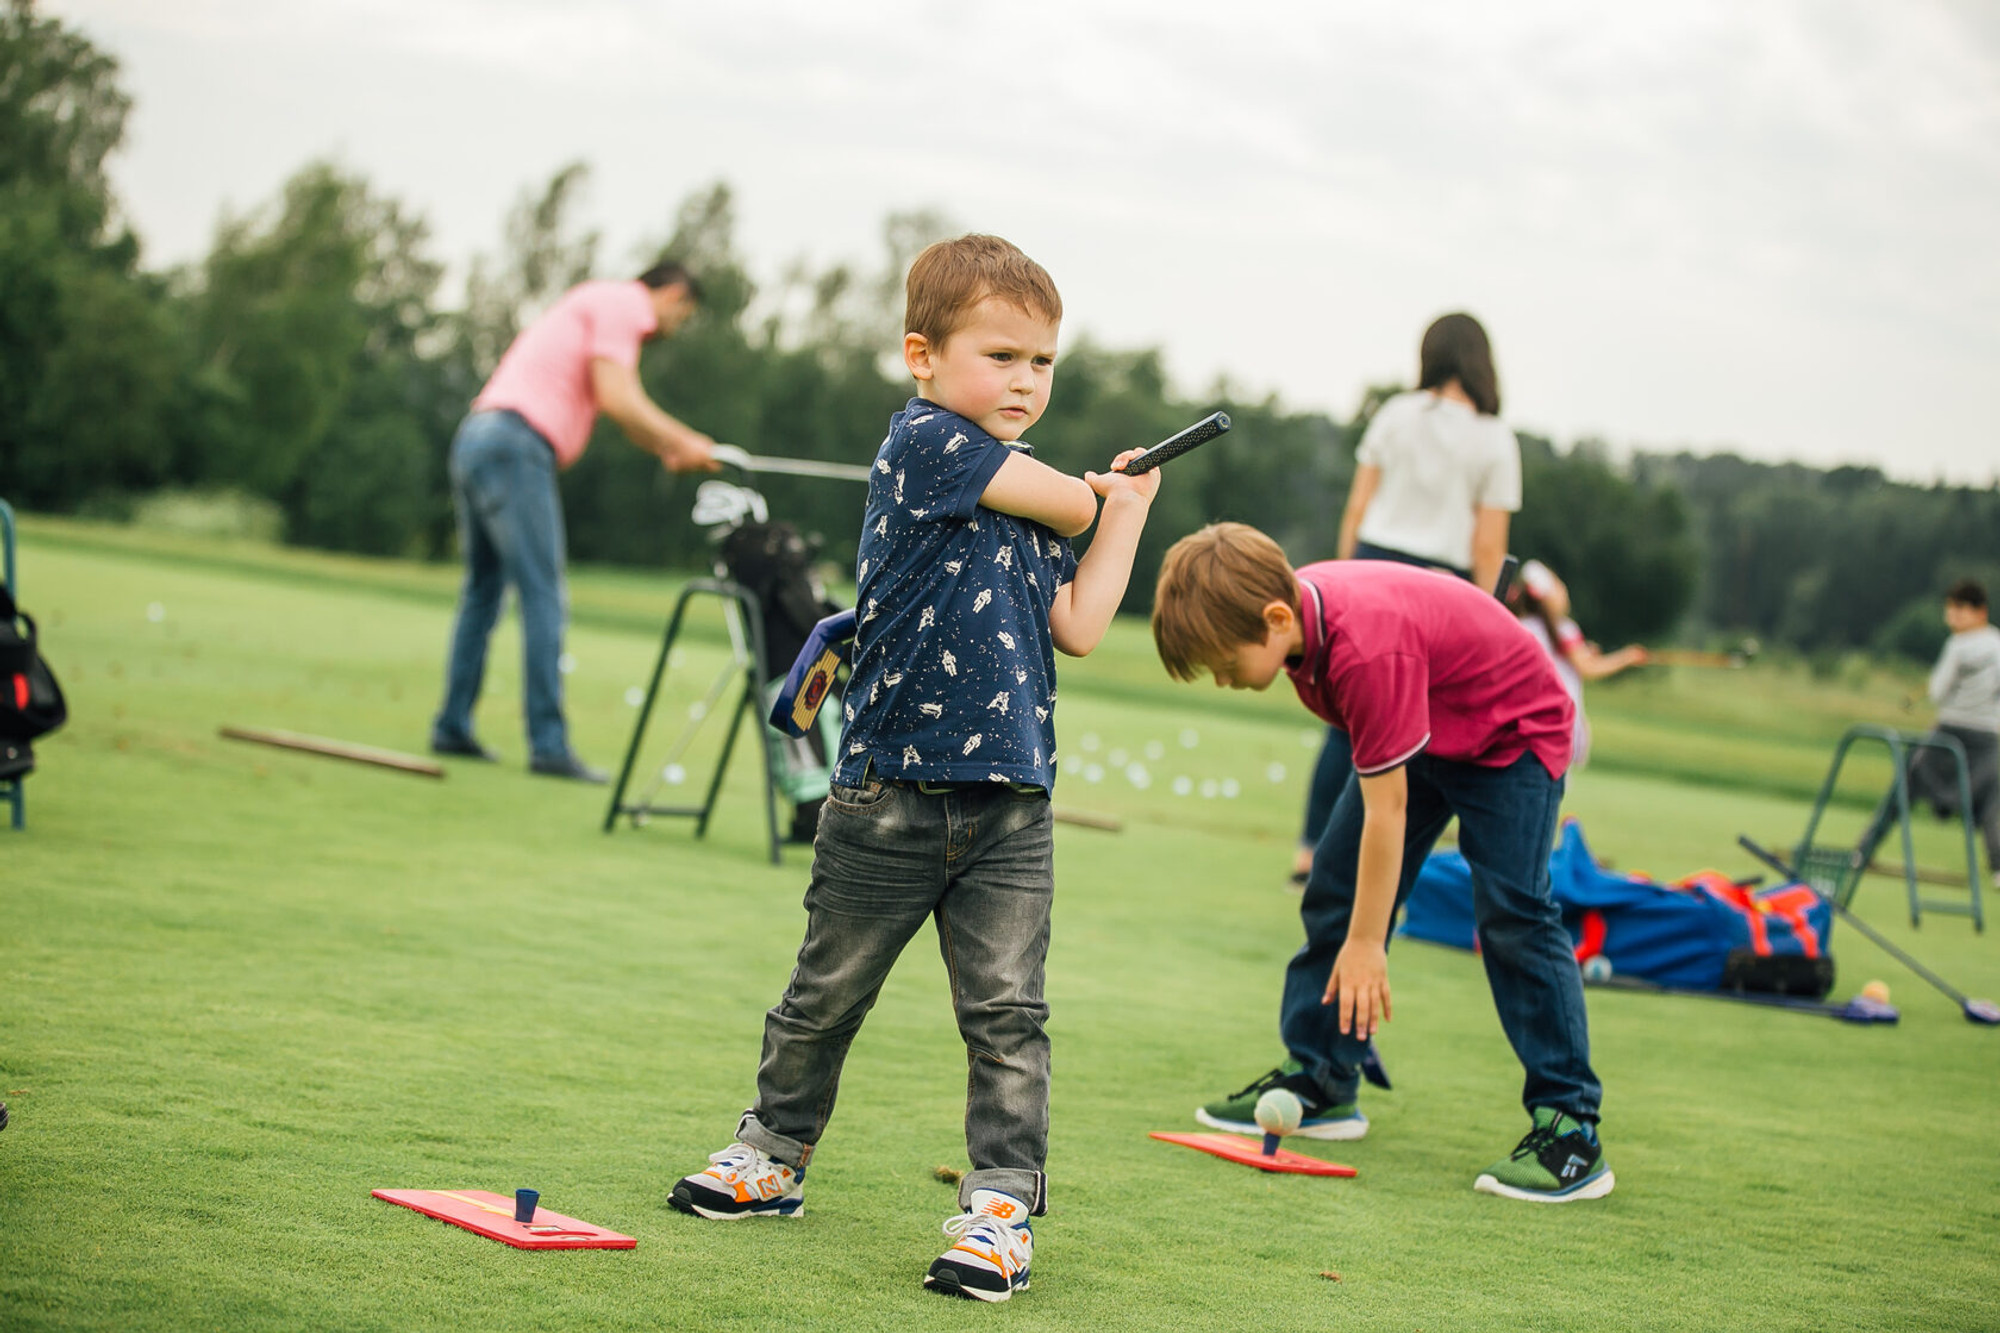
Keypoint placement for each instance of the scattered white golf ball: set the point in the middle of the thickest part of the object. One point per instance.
(1089, 741)
(1093, 772)
(1279, 1111)
(155, 612)
(1275, 772)
(674, 774)
(1137, 775)
(566, 663)
(677, 658)
(1311, 739)
(1190, 738)
(1209, 788)
(1231, 789)
(634, 697)
(1118, 758)
(697, 710)
(1183, 785)
(1155, 751)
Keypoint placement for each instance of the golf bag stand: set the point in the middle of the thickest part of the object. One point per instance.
(744, 618)
(1836, 871)
(10, 788)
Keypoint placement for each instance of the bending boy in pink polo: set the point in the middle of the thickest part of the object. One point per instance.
(1452, 709)
(532, 420)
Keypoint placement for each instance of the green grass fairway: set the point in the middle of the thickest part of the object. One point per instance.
(244, 987)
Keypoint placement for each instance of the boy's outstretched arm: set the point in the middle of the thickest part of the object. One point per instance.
(1026, 488)
(1083, 607)
(1360, 980)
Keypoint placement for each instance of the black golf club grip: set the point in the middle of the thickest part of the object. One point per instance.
(1200, 433)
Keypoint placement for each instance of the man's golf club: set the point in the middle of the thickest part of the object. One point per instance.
(735, 457)
(1976, 1011)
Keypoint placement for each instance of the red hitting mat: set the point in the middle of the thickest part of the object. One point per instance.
(492, 1215)
(1235, 1148)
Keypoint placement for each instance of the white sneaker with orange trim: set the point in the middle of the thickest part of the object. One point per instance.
(992, 1245)
(741, 1181)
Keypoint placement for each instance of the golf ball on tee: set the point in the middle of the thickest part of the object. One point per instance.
(1279, 1111)
(1877, 991)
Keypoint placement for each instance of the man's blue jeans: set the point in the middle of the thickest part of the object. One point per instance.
(1506, 823)
(979, 860)
(510, 527)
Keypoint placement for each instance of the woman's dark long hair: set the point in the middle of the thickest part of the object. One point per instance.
(1455, 348)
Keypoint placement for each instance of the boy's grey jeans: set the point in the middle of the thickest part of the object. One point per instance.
(980, 860)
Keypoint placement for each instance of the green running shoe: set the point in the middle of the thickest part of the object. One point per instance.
(1238, 1113)
(1559, 1161)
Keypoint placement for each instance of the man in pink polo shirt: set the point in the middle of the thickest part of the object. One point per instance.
(1453, 710)
(533, 419)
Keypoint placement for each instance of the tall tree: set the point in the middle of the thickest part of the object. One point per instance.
(88, 367)
(310, 321)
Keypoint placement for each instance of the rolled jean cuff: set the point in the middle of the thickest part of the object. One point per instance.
(1030, 1187)
(791, 1152)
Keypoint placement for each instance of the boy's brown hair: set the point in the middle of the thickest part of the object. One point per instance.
(1967, 592)
(950, 278)
(1214, 586)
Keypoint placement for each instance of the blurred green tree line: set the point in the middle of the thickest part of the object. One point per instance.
(312, 361)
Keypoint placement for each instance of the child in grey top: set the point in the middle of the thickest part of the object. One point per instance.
(1965, 686)
(1965, 683)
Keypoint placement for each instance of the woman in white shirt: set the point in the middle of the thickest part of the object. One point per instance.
(1436, 479)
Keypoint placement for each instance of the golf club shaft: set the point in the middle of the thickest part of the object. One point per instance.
(733, 456)
(1692, 658)
(1862, 926)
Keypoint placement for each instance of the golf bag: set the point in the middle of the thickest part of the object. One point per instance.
(773, 561)
(31, 703)
(1704, 932)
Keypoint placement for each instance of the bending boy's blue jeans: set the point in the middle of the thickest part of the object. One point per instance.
(979, 859)
(510, 527)
(1506, 823)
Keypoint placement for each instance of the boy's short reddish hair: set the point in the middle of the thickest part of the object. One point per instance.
(1214, 586)
(950, 278)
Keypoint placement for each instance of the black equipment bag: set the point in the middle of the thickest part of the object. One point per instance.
(775, 562)
(31, 703)
(1778, 974)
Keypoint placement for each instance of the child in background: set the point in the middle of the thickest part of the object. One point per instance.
(1541, 600)
(940, 800)
(1965, 686)
(1450, 709)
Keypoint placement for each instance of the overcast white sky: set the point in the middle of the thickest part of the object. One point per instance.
(1751, 224)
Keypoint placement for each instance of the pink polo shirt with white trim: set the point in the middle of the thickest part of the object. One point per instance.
(1409, 661)
(545, 375)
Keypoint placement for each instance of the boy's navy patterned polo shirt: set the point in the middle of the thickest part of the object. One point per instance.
(954, 669)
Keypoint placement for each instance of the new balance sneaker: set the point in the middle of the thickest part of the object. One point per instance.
(1237, 1113)
(741, 1182)
(991, 1247)
(1560, 1160)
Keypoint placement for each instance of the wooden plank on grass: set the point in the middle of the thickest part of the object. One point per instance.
(332, 749)
(1086, 819)
(1922, 874)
